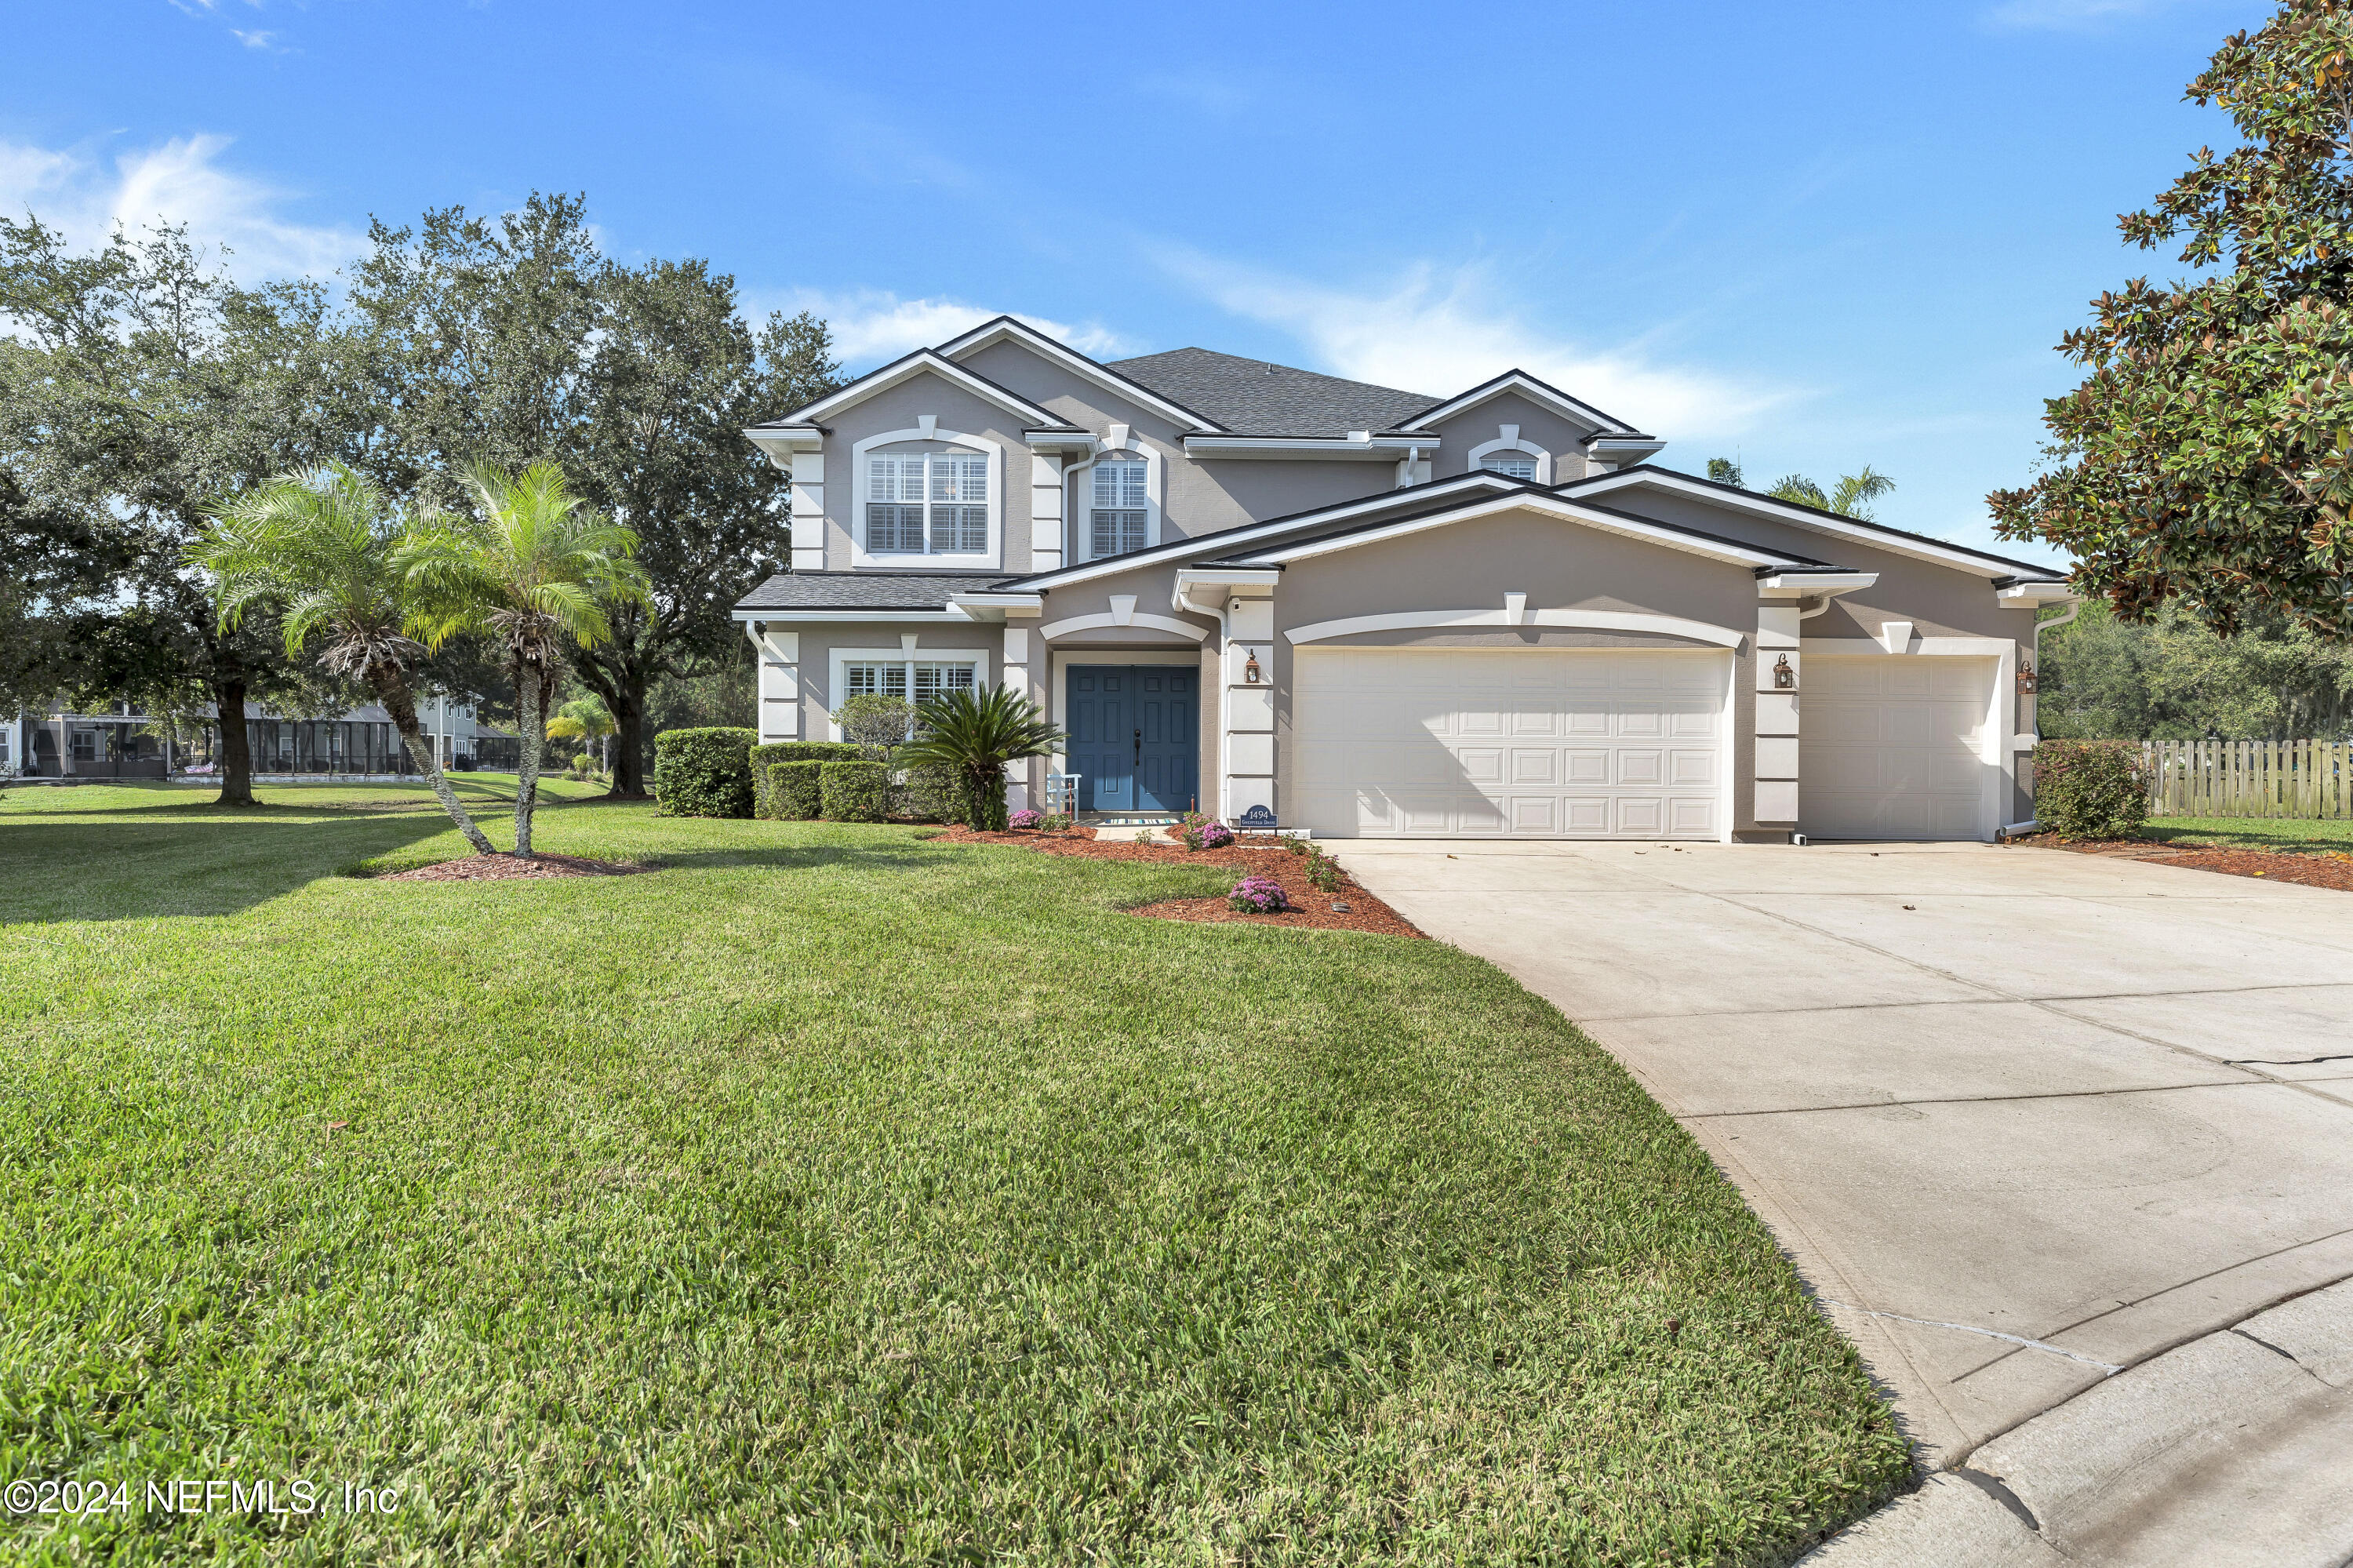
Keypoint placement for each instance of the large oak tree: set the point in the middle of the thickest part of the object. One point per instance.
(139, 386)
(2207, 457)
(512, 341)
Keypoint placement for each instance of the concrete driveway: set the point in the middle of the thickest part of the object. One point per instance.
(2044, 1131)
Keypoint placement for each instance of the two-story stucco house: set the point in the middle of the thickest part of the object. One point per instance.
(1293, 598)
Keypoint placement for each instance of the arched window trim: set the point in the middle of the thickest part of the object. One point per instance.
(1509, 441)
(928, 431)
(1080, 492)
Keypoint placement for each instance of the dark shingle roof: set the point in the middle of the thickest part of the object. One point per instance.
(1252, 397)
(864, 590)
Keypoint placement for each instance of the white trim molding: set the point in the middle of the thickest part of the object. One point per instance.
(1079, 489)
(927, 429)
(1534, 391)
(910, 652)
(1509, 440)
(1522, 499)
(906, 369)
(1521, 616)
(1360, 444)
(1134, 618)
(1806, 518)
(1111, 381)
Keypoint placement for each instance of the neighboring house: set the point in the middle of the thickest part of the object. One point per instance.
(361, 742)
(1293, 598)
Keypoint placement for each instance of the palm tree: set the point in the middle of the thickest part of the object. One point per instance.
(585, 720)
(529, 565)
(321, 547)
(977, 733)
(1850, 499)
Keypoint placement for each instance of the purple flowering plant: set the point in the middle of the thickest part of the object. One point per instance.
(1024, 820)
(1258, 896)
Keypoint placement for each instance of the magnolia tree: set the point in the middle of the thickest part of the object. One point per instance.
(2208, 455)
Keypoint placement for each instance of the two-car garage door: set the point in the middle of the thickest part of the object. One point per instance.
(1540, 743)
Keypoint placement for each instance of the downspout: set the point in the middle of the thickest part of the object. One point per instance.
(2075, 609)
(1178, 602)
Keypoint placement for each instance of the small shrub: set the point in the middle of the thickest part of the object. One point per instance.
(1322, 872)
(1207, 833)
(704, 772)
(1294, 844)
(2090, 788)
(795, 793)
(1053, 822)
(853, 791)
(764, 758)
(876, 723)
(1258, 896)
(929, 794)
(1024, 820)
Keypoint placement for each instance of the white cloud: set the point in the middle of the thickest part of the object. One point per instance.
(182, 181)
(259, 39)
(872, 327)
(1444, 333)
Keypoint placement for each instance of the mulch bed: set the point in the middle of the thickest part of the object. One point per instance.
(497, 867)
(2330, 869)
(1311, 908)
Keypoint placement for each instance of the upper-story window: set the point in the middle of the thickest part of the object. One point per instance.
(926, 504)
(1116, 517)
(1516, 465)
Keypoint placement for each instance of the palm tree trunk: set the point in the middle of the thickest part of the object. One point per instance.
(531, 719)
(393, 692)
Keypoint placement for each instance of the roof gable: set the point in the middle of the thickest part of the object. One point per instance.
(1011, 329)
(1540, 393)
(906, 368)
(1834, 524)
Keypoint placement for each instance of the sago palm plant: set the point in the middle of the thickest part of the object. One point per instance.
(976, 733)
(320, 549)
(531, 564)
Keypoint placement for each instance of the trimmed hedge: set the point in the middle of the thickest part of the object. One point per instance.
(704, 772)
(930, 794)
(794, 794)
(854, 791)
(764, 758)
(2090, 788)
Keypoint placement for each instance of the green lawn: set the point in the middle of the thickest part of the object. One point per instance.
(2255, 833)
(832, 1196)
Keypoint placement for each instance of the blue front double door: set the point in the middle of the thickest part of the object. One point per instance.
(1134, 734)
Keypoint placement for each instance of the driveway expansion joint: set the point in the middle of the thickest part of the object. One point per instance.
(2106, 1368)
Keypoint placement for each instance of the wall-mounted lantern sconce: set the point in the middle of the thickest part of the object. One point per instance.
(1783, 678)
(1252, 674)
(2027, 680)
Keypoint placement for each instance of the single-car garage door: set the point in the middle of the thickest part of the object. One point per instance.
(1540, 743)
(1891, 746)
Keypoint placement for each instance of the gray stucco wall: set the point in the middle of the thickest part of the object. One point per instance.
(898, 410)
(1197, 497)
(1538, 426)
(1559, 565)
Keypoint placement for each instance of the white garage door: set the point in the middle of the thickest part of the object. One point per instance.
(1891, 746)
(1446, 742)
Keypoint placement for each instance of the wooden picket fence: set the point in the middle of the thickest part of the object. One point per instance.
(2296, 779)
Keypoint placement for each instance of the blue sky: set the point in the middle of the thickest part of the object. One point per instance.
(1813, 235)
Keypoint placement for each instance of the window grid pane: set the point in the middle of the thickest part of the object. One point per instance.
(919, 504)
(1117, 533)
(1519, 465)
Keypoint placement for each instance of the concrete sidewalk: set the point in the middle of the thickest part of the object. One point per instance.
(2023, 1119)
